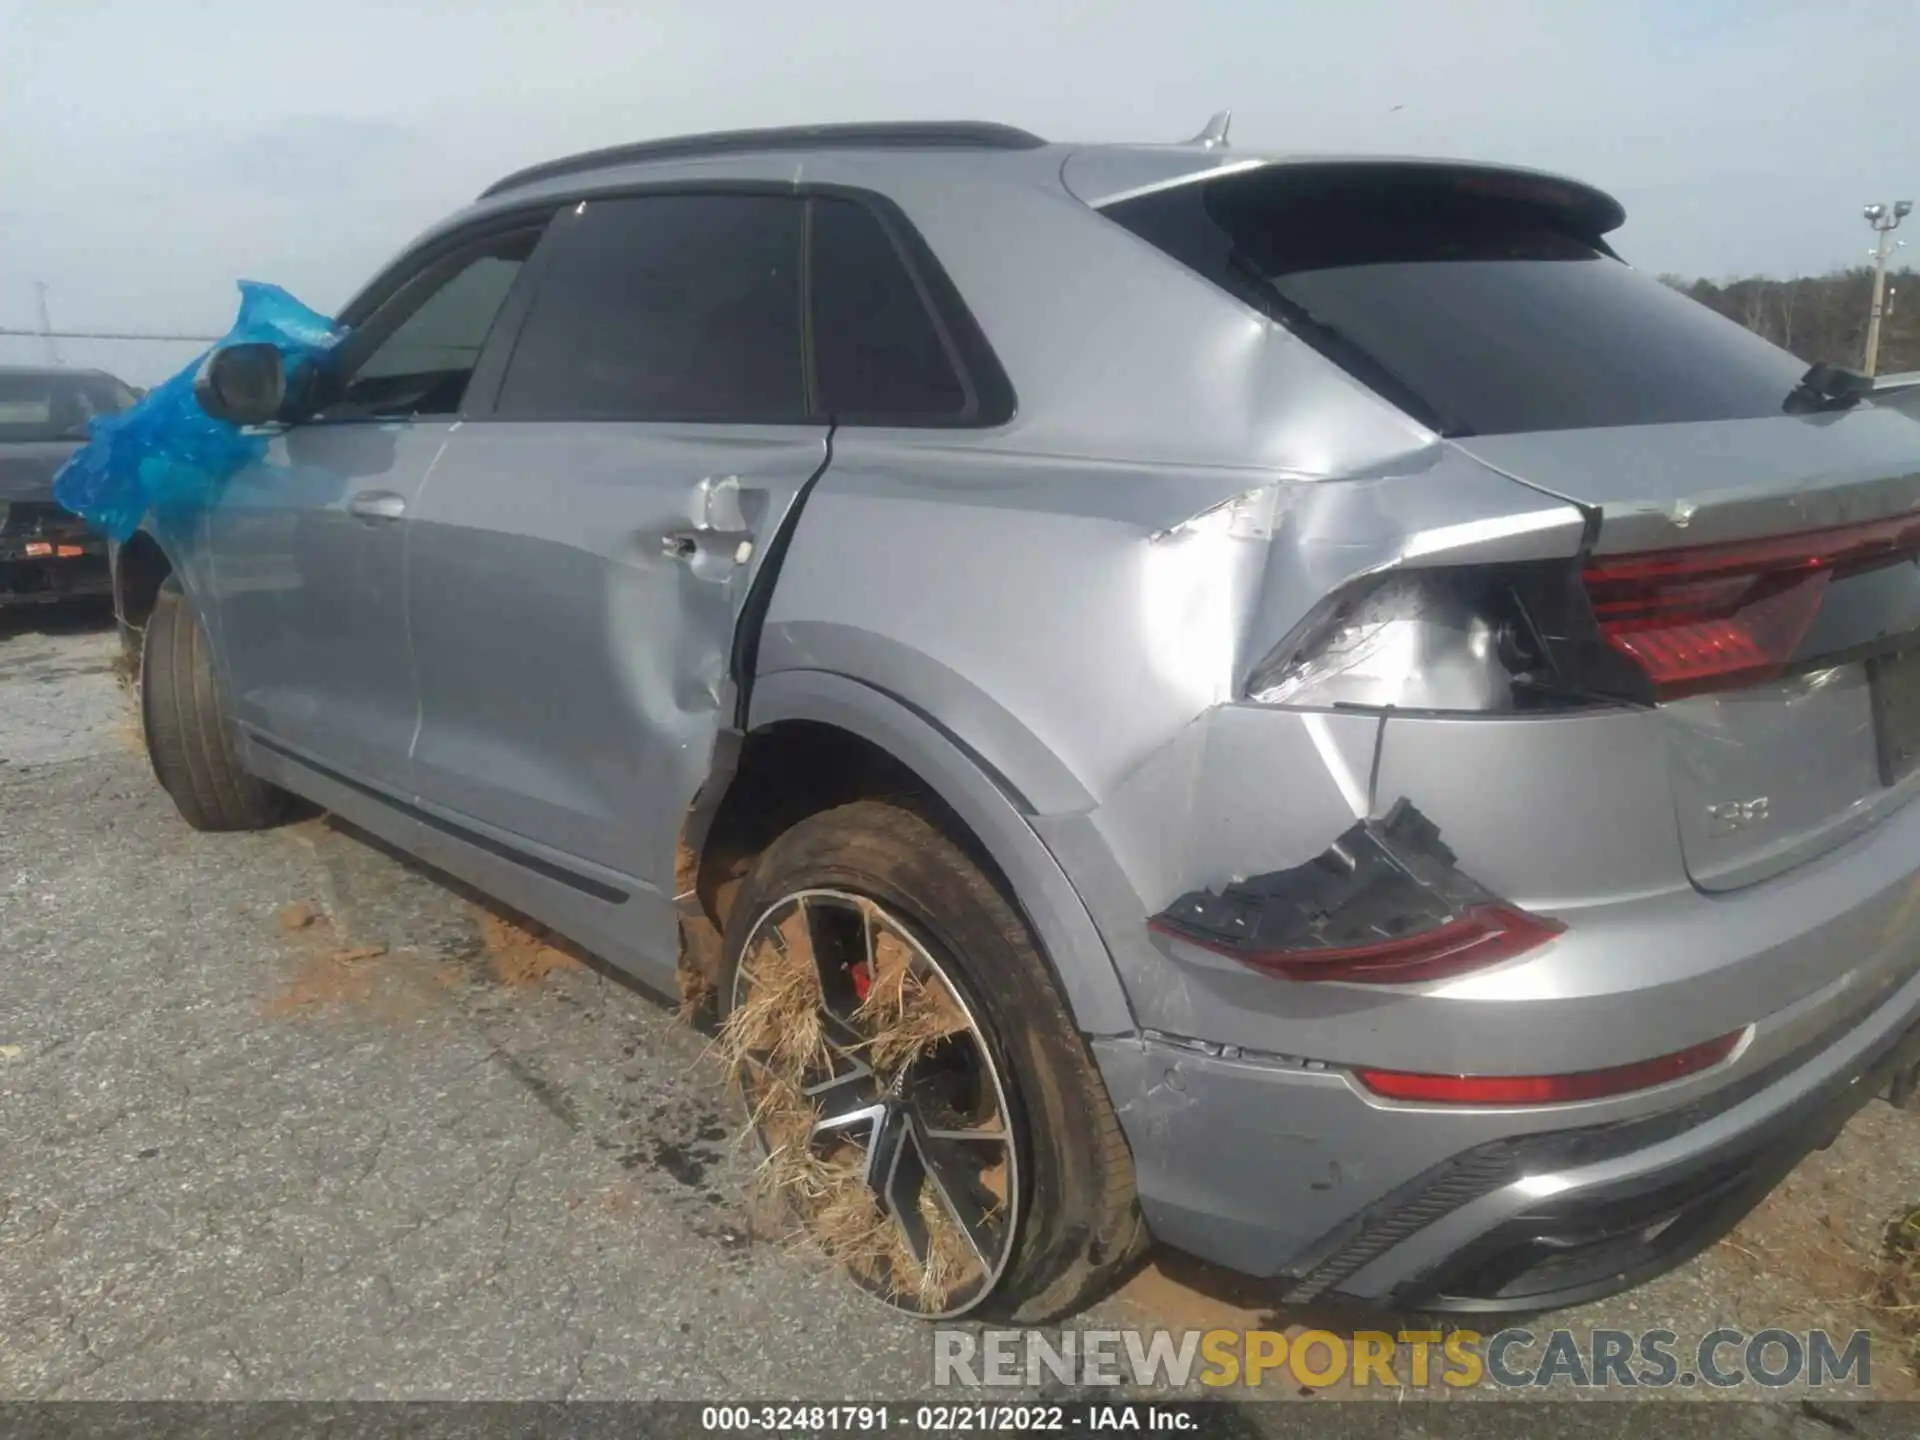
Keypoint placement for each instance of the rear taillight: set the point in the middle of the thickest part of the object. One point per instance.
(1550, 635)
(1549, 1089)
(1447, 638)
(1480, 936)
(1383, 905)
(1711, 617)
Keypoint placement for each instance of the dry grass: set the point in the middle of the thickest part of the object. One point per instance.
(774, 1044)
(128, 732)
(1897, 1288)
(778, 1025)
(907, 1013)
(126, 670)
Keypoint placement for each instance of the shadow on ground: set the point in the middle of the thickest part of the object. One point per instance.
(81, 616)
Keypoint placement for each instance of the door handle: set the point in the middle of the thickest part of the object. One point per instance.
(377, 505)
(688, 544)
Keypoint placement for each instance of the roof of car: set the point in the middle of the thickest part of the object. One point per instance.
(909, 135)
(1098, 174)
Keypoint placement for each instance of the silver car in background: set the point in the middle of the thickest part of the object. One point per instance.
(1298, 706)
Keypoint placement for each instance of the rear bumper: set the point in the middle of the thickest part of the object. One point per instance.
(1254, 1145)
(1244, 1161)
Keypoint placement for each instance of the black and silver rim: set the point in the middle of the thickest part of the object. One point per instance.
(877, 1100)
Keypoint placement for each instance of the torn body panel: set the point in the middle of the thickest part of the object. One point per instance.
(1140, 595)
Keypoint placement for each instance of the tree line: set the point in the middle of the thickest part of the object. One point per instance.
(1821, 317)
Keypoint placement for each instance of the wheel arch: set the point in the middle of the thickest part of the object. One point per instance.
(892, 748)
(141, 566)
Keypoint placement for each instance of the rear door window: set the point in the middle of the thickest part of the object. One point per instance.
(666, 307)
(1478, 315)
(879, 354)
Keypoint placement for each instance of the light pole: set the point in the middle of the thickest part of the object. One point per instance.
(46, 322)
(1885, 219)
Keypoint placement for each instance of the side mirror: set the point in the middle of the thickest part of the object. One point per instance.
(242, 384)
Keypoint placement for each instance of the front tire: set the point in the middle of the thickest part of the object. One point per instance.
(931, 1117)
(188, 739)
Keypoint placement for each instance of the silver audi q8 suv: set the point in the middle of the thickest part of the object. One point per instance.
(1298, 706)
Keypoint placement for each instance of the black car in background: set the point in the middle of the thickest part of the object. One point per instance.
(45, 552)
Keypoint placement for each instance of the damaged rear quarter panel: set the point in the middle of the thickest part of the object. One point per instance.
(1055, 619)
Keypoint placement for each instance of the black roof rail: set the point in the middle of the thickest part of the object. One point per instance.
(909, 135)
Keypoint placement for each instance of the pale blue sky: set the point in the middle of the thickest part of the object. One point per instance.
(152, 153)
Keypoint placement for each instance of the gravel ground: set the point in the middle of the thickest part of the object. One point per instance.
(285, 1116)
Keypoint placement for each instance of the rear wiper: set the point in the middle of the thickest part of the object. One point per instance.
(1827, 387)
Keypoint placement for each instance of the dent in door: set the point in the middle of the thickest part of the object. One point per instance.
(572, 593)
(714, 551)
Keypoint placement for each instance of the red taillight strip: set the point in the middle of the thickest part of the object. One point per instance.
(1706, 617)
(1482, 936)
(1549, 1089)
(1801, 550)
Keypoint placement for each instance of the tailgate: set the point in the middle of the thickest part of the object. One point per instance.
(1819, 519)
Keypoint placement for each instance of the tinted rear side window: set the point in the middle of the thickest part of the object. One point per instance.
(1477, 315)
(666, 307)
(879, 356)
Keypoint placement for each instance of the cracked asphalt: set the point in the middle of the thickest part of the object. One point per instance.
(285, 1116)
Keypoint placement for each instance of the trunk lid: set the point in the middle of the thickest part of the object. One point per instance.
(1768, 774)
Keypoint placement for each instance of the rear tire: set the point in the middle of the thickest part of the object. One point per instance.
(1075, 1219)
(188, 739)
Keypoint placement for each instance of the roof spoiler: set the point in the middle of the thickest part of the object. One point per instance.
(1107, 175)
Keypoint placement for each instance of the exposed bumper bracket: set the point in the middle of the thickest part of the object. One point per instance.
(1381, 880)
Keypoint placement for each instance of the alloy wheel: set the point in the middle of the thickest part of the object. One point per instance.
(877, 1099)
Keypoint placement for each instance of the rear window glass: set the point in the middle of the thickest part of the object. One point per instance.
(1477, 315)
(52, 406)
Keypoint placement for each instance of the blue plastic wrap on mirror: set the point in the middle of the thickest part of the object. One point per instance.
(168, 457)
